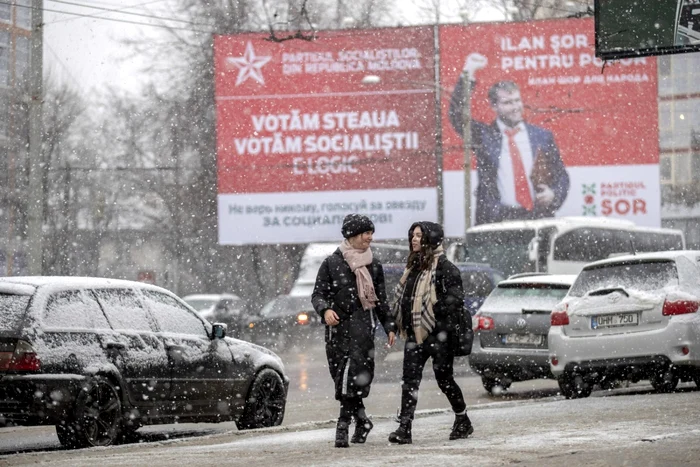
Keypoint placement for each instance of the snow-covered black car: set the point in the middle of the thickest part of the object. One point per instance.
(98, 358)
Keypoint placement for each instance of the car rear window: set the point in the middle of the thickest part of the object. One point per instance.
(12, 311)
(520, 291)
(512, 297)
(640, 275)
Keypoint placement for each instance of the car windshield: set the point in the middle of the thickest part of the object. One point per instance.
(201, 304)
(12, 311)
(505, 250)
(286, 305)
(536, 296)
(648, 275)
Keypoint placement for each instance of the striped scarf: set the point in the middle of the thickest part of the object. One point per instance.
(422, 316)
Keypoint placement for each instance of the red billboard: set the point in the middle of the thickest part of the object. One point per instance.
(309, 131)
(555, 131)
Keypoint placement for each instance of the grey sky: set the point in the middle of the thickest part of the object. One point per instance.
(86, 52)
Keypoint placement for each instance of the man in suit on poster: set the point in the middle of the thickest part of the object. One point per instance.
(519, 169)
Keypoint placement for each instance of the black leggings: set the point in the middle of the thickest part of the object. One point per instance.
(351, 407)
(414, 358)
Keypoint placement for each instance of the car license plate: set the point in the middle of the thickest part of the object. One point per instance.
(621, 319)
(533, 339)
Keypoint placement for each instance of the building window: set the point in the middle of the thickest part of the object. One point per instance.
(4, 58)
(5, 12)
(666, 169)
(678, 168)
(22, 57)
(23, 14)
(682, 169)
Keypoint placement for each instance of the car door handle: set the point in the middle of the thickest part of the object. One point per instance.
(175, 348)
(115, 346)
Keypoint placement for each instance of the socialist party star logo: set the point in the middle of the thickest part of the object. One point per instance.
(249, 65)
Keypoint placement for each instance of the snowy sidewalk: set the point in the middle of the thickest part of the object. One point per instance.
(638, 429)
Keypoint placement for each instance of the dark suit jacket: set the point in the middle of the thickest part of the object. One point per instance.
(548, 167)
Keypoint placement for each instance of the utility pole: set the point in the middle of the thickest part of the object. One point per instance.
(439, 156)
(467, 140)
(35, 215)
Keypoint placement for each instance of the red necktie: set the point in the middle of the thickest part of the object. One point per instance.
(522, 187)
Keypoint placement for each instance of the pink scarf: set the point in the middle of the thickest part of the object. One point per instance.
(358, 260)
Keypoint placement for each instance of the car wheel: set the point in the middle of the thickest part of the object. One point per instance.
(574, 386)
(266, 401)
(96, 419)
(488, 383)
(495, 385)
(609, 384)
(665, 380)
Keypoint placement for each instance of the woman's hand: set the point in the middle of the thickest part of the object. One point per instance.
(392, 339)
(330, 317)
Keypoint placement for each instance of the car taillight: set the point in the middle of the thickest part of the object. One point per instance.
(680, 307)
(24, 358)
(560, 315)
(302, 318)
(484, 323)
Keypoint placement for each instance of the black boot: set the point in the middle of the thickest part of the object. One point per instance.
(462, 427)
(341, 434)
(363, 425)
(403, 434)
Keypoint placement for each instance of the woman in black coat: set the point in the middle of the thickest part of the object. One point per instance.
(350, 297)
(429, 299)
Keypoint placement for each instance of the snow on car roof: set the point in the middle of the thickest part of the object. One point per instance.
(72, 281)
(209, 296)
(540, 223)
(692, 255)
(554, 279)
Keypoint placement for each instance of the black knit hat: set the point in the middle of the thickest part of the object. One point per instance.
(355, 224)
(432, 233)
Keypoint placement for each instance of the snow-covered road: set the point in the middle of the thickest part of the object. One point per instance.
(627, 428)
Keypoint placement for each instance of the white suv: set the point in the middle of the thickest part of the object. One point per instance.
(634, 317)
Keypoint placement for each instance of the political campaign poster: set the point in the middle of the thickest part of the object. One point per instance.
(309, 131)
(555, 131)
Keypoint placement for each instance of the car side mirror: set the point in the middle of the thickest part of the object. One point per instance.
(218, 330)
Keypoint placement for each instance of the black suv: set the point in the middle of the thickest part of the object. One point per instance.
(98, 358)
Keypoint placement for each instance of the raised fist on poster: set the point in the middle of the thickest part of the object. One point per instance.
(475, 61)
